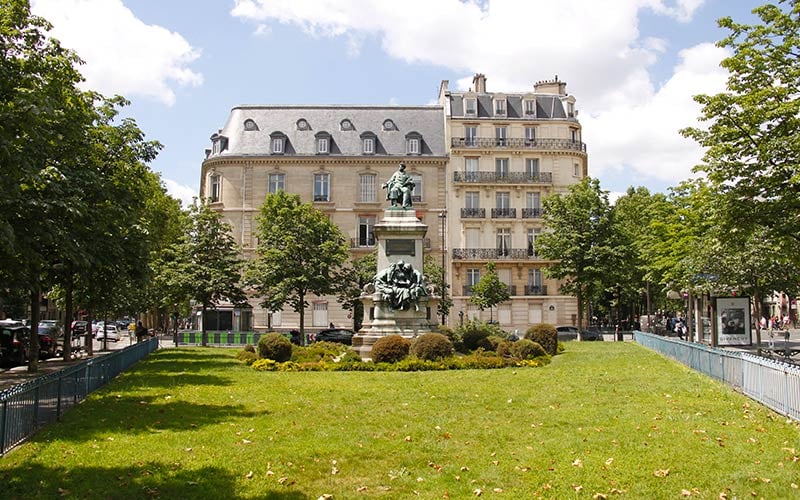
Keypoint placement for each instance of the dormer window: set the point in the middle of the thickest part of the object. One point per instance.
(570, 109)
(346, 125)
(413, 143)
(388, 125)
(530, 107)
(500, 107)
(219, 143)
(323, 143)
(250, 125)
(368, 140)
(302, 124)
(470, 106)
(277, 143)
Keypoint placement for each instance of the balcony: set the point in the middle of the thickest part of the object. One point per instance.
(535, 289)
(473, 213)
(504, 213)
(362, 242)
(531, 213)
(518, 143)
(503, 178)
(493, 254)
(512, 290)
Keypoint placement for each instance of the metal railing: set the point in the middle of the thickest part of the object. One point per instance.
(473, 213)
(772, 383)
(517, 143)
(535, 289)
(504, 213)
(26, 407)
(531, 213)
(493, 253)
(503, 177)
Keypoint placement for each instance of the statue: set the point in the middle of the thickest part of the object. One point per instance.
(399, 187)
(401, 285)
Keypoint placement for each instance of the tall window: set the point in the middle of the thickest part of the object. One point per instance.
(473, 277)
(472, 199)
(573, 134)
(470, 108)
(500, 107)
(503, 241)
(369, 145)
(501, 135)
(576, 170)
(214, 188)
(501, 167)
(503, 200)
(533, 200)
(530, 107)
(533, 233)
(470, 135)
(322, 187)
(277, 145)
(416, 195)
(534, 278)
(277, 183)
(322, 145)
(532, 168)
(368, 191)
(366, 224)
(471, 168)
(530, 135)
(413, 146)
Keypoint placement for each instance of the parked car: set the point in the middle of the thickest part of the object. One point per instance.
(108, 331)
(340, 335)
(591, 335)
(79, 327)
(50, 327)
(567, 332)
(14, 339)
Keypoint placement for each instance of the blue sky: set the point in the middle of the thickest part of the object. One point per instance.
(632, 65)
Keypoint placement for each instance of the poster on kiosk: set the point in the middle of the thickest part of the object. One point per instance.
(733, 321)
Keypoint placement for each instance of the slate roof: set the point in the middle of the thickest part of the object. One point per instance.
(427, 121)
(548, 107)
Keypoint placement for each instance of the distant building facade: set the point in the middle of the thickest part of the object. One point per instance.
(335, 157)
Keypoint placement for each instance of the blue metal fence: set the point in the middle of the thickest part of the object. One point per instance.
(773, 383)
(26, 407)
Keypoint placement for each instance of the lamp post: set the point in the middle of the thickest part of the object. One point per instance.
(443, 218)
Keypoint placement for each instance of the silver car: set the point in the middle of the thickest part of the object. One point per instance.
(109, 332)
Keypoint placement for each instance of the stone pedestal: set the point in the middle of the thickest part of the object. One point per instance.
(400, 237)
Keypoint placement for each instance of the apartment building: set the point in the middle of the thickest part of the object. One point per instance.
(335, 157)
(508, 152)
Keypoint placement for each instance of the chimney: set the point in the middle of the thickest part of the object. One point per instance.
(479, 82)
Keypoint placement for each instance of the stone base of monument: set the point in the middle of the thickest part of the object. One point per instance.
(386, 321)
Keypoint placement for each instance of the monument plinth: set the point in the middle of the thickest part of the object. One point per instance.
(399, 301)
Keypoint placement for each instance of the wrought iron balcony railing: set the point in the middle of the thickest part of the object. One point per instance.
(504, 213)
(535, 289)
(504, 177)
(493, 254)
(531, 213)
(473, 213)
(518, 143)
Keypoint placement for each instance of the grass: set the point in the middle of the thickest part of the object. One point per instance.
(603, 418)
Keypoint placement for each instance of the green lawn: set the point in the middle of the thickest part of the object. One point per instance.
(603, 418)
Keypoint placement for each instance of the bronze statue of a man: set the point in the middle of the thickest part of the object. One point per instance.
(399, 188)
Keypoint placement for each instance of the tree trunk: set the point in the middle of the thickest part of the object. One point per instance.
(204, 335)
(67, 348)
(303, 318)
(89, 334)
(579, 297)
(33, 351)
(757, 306)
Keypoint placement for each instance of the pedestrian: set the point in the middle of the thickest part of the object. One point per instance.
(141, 332)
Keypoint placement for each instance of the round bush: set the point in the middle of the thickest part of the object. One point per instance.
(527, 349)
(432, 347)
(504, 348)
(247, 357)
(545, 335)
(274, 346)
(390, 349)
(249, 348)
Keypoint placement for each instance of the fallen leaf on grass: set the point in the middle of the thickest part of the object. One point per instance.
(661, 473)
(498, 490)
(577, 488)
(334, 470)
(609, 461)
(477, 492)
(361, 489)
(577, 463)
(249, 475)
(599, 496)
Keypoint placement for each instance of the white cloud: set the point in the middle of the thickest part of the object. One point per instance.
(123, 55)
(180, 192)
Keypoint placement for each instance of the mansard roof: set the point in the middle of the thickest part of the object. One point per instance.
(548, 106)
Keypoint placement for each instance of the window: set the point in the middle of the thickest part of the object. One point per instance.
(250, 125)
(366, 236)
(503, 241)
(346, 125)
(302, 124)
(472, 199)
(319, 314)
(576, 170)
(471, 168)
(532, 168)
(533, 200)
(500, 107)
(473, 277)
(416, 194)
(570, 110)
(573, 135)
(413, 145)
(501, 135)
(503, 200)
(470, 135)
(214, 188)
(277, 183)
(277, 145)
(501, 167)
(530, 107)
(389, 125)
(322, 145)
(530, 135)
(533, 233)
(535, 278)
(322, 187)
(368, 191)
(470, 108)
(369, 145)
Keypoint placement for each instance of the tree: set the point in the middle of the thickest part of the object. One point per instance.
(582, 242)
(299, 252)
(489, 290)
(434, 274)
(210, 262)
(351, 278)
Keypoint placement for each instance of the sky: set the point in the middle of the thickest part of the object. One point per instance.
(632, 65)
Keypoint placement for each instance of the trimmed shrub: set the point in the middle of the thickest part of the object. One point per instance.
(454, 336)
(432, 347)
(527, 349)
(545, 335)
(249, 348)
(318, 351)
(504, 348)
(390, 349)
(247, 357)
(274, 346)
(264, 365)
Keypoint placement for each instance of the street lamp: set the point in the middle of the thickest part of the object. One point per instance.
(443, 218)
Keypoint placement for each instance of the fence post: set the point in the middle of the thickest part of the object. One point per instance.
(58, 401)
(3, 427)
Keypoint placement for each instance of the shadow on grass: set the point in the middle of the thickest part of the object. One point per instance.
(141, 480)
